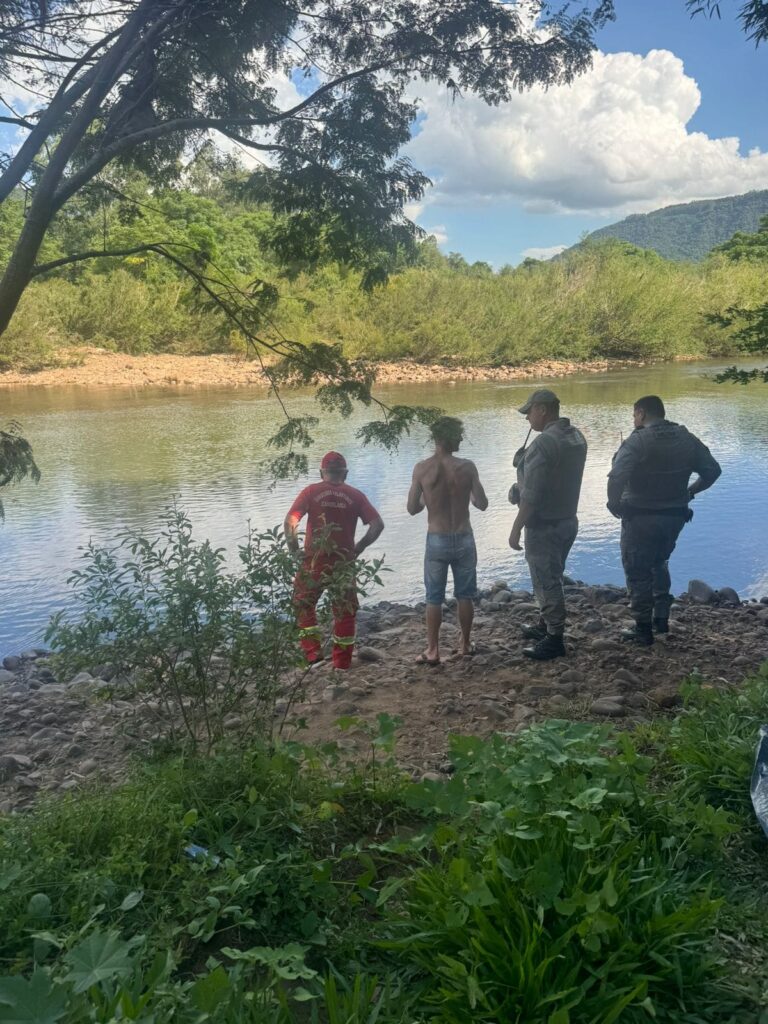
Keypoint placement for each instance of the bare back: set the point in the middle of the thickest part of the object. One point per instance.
(447, 484)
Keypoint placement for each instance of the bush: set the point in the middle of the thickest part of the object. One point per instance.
(204, 650)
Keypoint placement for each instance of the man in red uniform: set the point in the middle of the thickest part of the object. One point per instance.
(332, 508)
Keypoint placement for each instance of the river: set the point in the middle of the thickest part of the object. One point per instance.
(112, 458)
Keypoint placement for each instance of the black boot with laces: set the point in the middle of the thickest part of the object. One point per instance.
(547, 648)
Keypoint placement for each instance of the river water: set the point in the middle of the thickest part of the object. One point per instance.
(112, 458)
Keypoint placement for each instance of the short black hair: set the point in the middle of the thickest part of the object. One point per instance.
(448, 432)
(651, 405)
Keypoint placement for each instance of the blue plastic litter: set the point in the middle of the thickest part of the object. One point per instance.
(759, 785)
(196, 852)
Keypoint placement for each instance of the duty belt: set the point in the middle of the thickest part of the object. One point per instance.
(630, 511)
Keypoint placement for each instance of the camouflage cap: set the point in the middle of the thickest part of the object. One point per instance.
(541, 397)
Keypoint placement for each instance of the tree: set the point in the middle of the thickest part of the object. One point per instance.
(752, 324)
(753, 15)
(16, 459)
(142, 83)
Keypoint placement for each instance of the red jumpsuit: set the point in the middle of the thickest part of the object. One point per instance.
(332, 511)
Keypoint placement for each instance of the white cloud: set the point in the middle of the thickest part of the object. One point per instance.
(438, 231)
(615, 140)
(543, 252)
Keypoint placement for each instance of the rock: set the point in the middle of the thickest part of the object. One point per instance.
(593, 626)
(502, 597)
(29, 655)
(12, 764)
(27, 782)
(527, 608)
(522, 713)
(566, 688)
(558, 701)
(12, 663)
(608, 708)
(626, 678)
(81, 679)
(86, 767)
(572, 675)
(603, 644)
(431, 777)
(495, 710)
(334, 691)
(499, 585)
(52, 690)
(615, 698)
(107, 671)
(727, 596)
(6, 676)
(233, 722)
(762, 616)
(700, 592)
(666, 696)
(636, 700)
(742, 661)
(537, 690)
(369, 654)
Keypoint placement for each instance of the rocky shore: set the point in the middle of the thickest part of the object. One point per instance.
(95, 367)
(58, 734)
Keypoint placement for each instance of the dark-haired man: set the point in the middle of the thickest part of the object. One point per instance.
(445, 485)
(549, 475)
(332, 508)
(649, 490)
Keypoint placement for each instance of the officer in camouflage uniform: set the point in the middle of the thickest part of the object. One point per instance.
(549, 474)
(649, 490)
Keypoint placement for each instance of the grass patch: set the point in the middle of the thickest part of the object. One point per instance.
(567, 875)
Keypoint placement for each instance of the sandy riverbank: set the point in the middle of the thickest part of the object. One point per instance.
(92, 367)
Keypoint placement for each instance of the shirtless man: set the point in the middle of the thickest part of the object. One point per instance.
(445, 485)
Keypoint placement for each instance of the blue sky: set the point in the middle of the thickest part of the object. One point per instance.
(679, 157)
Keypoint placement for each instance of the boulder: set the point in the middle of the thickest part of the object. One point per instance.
(6, 676)
(701, 592)
(727, 596)
(12, 764)
(12, 663)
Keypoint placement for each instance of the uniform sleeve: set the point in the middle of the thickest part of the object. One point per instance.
(365, 510)
(540, 460)
(705, 464)
(300, 507)
(625, 462)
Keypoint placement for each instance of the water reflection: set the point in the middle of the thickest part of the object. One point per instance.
(112, 458)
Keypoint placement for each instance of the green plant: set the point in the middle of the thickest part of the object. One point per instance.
(203, 650)
(16, 459)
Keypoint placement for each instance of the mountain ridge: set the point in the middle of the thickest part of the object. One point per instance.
(687, 231)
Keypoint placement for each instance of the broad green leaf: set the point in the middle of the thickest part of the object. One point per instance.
(39, 906)
(101, 957)
(34, 1001)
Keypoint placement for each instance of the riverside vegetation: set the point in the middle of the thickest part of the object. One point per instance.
(569, 874)
(607, 299)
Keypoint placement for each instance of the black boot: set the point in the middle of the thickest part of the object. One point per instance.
(534, 630)
(547, 648)
(641, 634)
(660, 625)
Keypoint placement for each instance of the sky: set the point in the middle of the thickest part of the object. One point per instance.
(671, 111)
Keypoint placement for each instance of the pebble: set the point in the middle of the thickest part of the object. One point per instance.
(608, 708)
(625, 677)
(572, 675)
(369, 654)
(602, 644)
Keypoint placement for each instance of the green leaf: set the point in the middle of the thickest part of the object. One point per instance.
(132, 899)
(210, 990)
(37, 1001)
(103, 956)
(189, 819)
(8, 875)
(39, 906)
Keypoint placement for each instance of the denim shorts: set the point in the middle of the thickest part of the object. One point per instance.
(454, 550)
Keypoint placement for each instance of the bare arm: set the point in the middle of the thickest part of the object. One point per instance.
(291, 527)
(478, 496)
(373, 532)
(415, 495)
(707, 467)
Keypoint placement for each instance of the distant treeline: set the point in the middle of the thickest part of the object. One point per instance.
(604, 299)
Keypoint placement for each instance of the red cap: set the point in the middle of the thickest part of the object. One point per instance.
(333, 459)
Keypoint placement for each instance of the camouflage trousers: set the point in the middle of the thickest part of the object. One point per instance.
(647, 541)
(546, 548)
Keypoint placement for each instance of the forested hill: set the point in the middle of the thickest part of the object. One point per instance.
(690, 230)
